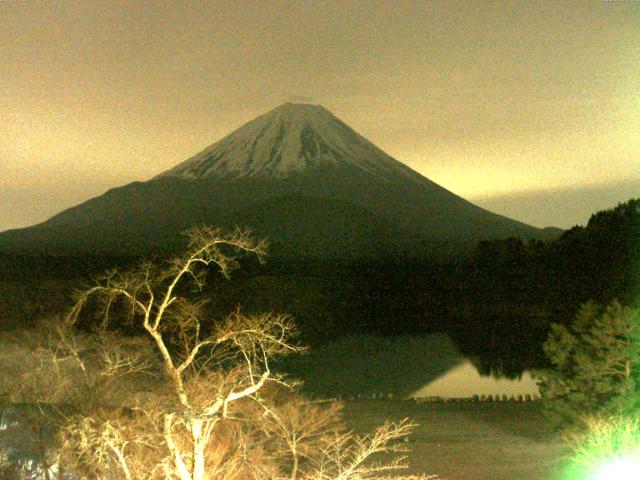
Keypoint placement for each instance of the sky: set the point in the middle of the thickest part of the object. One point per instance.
(528, 108)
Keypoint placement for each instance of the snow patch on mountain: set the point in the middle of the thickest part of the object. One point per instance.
(289, 139)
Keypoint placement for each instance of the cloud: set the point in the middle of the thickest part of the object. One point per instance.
(298, 98)
(562, 207)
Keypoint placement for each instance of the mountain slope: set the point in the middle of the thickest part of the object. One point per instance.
(297, 175)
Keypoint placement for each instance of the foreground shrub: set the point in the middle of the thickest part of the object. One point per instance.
(608, 448)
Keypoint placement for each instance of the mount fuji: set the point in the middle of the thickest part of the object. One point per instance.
(296, 175)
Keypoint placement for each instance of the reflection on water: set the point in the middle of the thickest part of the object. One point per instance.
(403, 366)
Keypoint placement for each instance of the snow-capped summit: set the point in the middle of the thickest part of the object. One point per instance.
(289, 139)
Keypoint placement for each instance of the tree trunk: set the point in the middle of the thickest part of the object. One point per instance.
(199, 441)
(181, 469)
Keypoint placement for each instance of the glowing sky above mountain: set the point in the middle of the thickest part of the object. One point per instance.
(531, 109)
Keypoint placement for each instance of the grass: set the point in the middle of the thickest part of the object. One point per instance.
(470, 441)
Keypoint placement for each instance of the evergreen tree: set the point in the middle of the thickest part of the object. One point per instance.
(595, 364)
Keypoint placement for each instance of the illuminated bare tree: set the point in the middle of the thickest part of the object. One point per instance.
(52, 372)
(192, 358)
(189, 399)
(317, 448)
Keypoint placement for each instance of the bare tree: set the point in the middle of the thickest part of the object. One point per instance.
(313, 440)
(52, 373)
(203, 402)
(192, 364)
